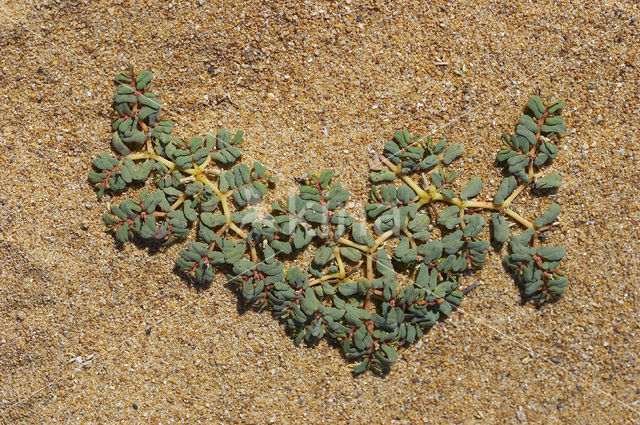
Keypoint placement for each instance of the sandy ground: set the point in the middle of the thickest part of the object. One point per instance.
(91, 333)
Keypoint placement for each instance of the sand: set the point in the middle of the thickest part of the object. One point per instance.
(94, 333)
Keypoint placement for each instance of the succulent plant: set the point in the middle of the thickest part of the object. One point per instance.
(372, 287)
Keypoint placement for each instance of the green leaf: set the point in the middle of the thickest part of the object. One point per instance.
(555, 107)
(549, 181)
(530, 137)
(453, 242)
(382, 176)
(475, 223)
(549, 149)
(533, 287)
(541, 158)
(403, 252)
(258, 170)
(124, 98)
(518, 163)
(450, 194)
(117, 144)
(212, 220)
(361, 235)
(452, 153)
(548, 216)
(528, 122)
(551, 253)
(431, 251)
(436, 178)
(505, 154)
(281, 247)
(148, 99)
(521, 240)
(105, 162)
(473, 188)
(558, 283)
(362, 366)
(555, 120)
(233, 251)
(445, 307)
(405, 194)
(388, 356)
(383, 264)
(500, 228)
(558, 128)
(350, 253)
(323, 255)
(450, 217)
(302, 237)
(97, 177)
(535, 105)
(143, 79)
(403, 138)
(507, 186)
(347, 289)
(325, 178)
(122, 232)
(336, 196)
(429, 162)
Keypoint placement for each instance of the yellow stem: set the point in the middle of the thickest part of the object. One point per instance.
(481, 204)
(179, 201)
(146, 155)
(386, 235)
(200, 168)
(396, 169)
(205, 164)
(336, 252)
(345, 241)
(138, 155)
(417, 189)
(519, 218)
(236, 229)
(203, 179)
(454, 201)
(411, 241)
(503, 207)
(462, 223)
(530, 172)
(367, 298)
(149, 145)
(423, 201)
(507, 202)
(170, 165)
(335, 275)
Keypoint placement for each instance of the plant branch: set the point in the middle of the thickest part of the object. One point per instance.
(396, 169)
(336, 252)
(518, 218)
(352, 244)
